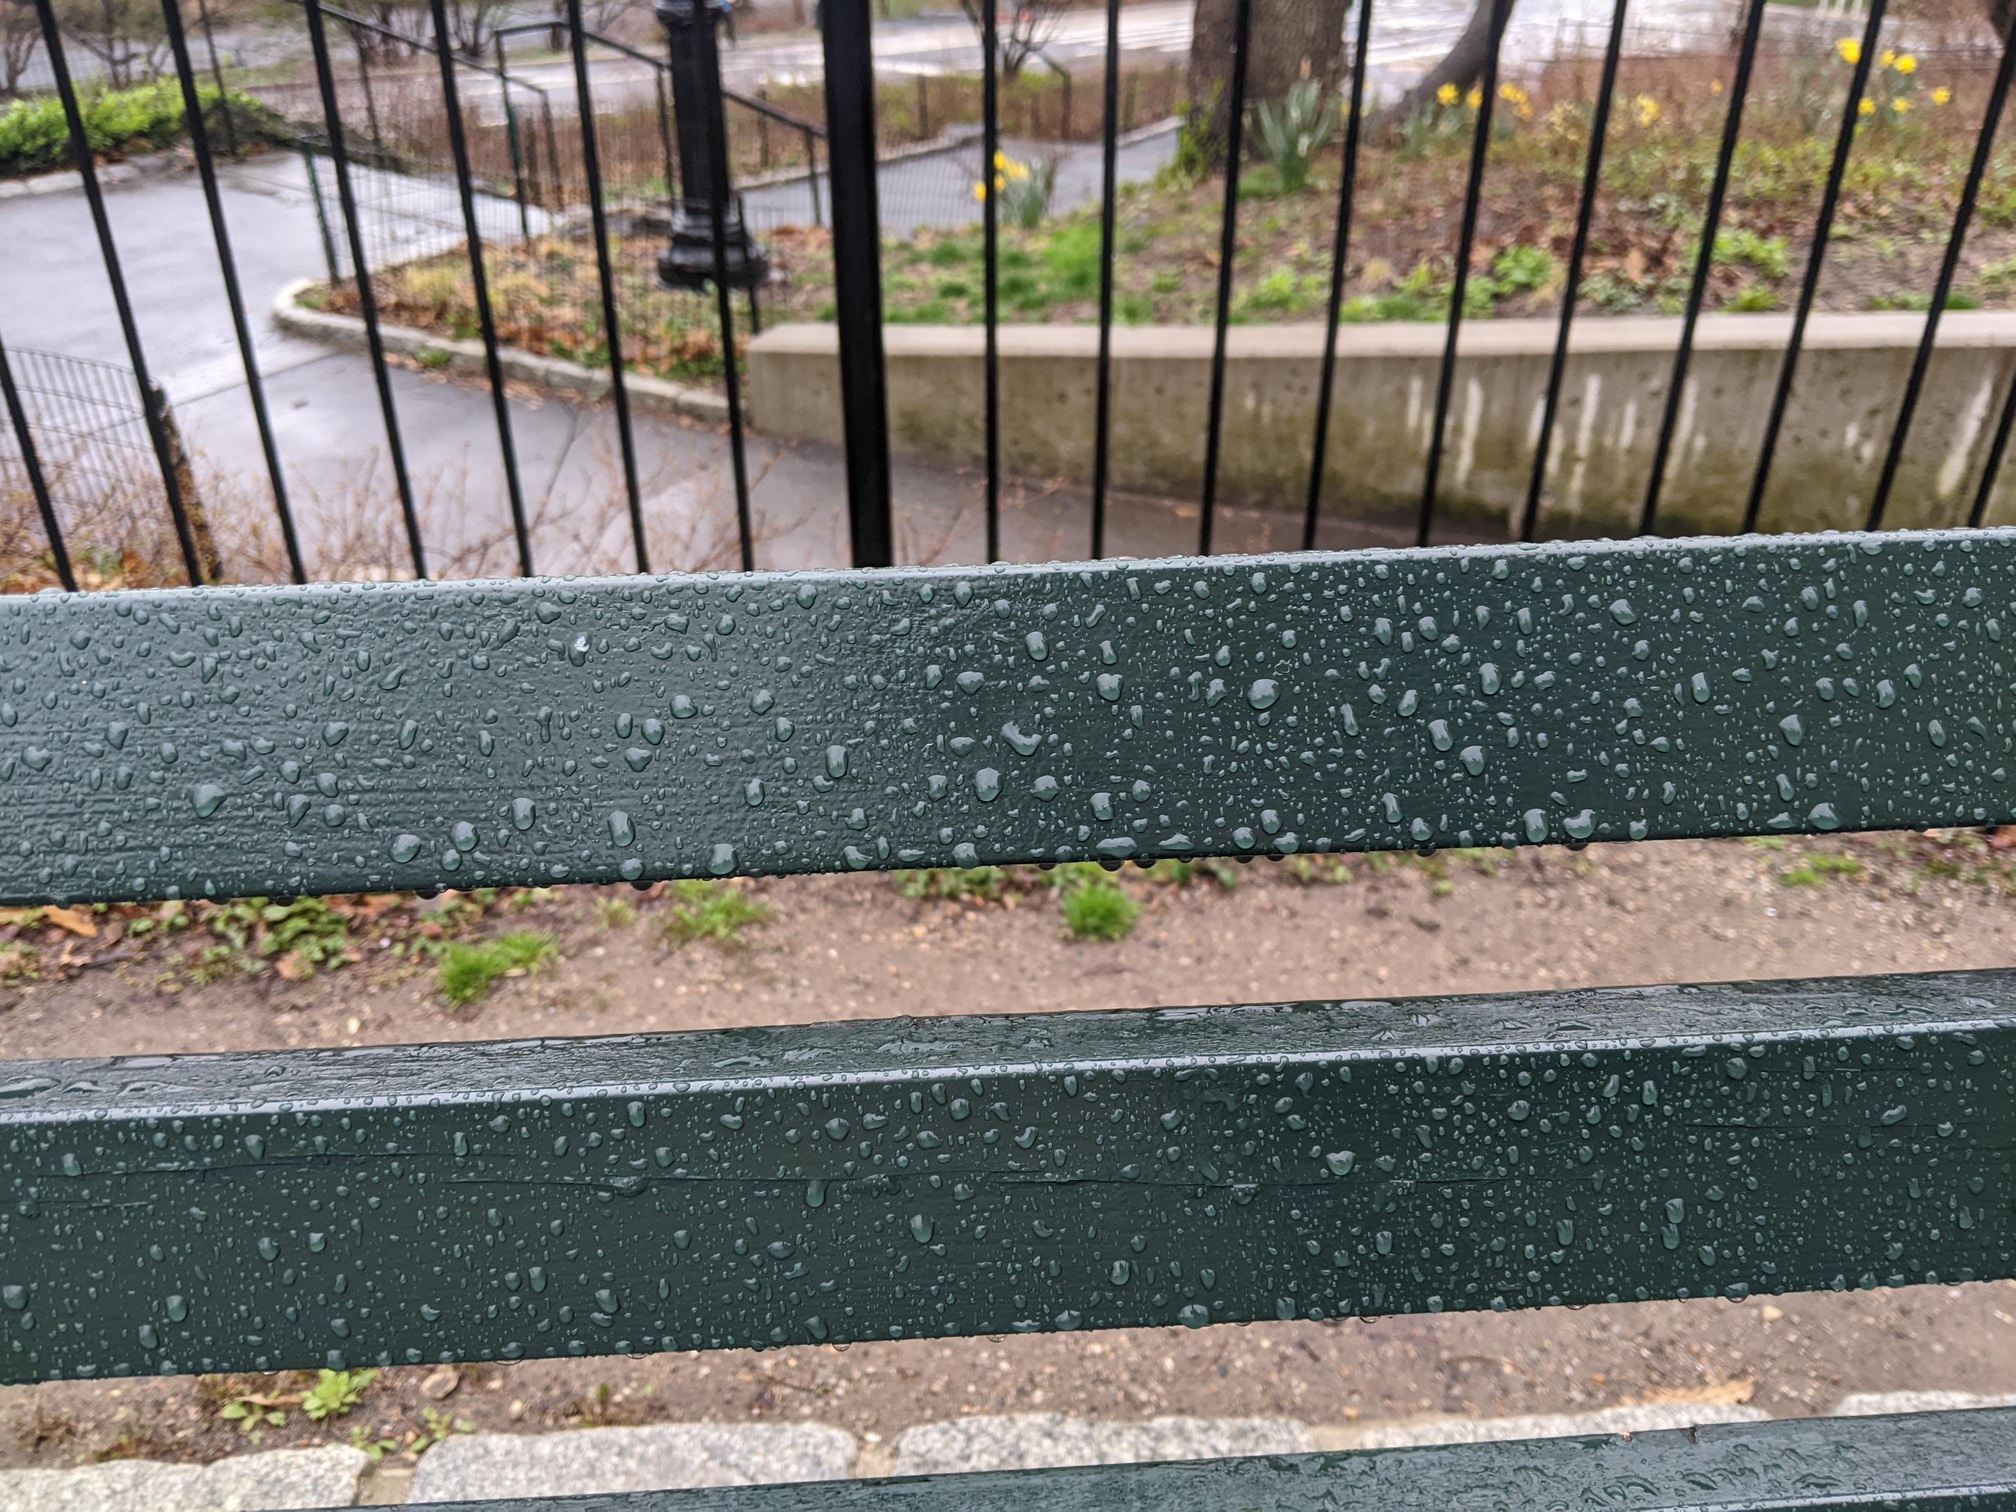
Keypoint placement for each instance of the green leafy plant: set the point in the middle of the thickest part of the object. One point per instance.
(376, 1448)
(1769, 255)
(1311, 869)
(615, 913)
(254, 1413)
(437, 1427)
(1172, 872)
(301, 938)
(954, 883)
(717, 911)
(1294, 131)
(336, 1392)
(34, 135)
(468, 971)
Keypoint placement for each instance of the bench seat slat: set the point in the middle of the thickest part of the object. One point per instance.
(984, 1175)
(1928, 1462)
(393, 736)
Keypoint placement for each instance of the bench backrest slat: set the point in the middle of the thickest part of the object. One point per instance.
(329, 739)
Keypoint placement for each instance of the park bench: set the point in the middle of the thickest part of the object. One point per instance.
(957, 1176)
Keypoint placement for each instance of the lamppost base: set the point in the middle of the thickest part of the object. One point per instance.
(688, 263)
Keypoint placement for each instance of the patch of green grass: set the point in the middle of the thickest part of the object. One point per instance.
(986, 883)
(615, 913)
(717, 911)
(468, 971)
(1100, 910)
(1817, 870)
(336, 1392)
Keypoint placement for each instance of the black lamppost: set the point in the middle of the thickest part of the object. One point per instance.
(689, 263)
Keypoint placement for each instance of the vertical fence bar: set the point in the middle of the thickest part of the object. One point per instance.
(664, 130)
(1340, 251)
(857, 276)
(1459, 284)
(598, 217)
(115, 275)
(321, 213)
(991, 177)
(1228, 246)
(38, 484)
(458, 145)
(512, 143)
(217, 73)
(1585, 214)
(1997, 450)
(364, 78)
(708, 47)
(1963, 215)
(1108, 212)
(812, 173)
(360, 268)
(1816, 260)
(1704, 264)
(227, 263)
(553, 152)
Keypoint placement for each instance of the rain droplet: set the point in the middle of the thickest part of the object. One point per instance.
(1263, 693)
(209, 798)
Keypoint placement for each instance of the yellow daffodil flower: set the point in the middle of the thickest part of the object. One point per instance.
(1647, 108)
(1475, 98)
(1900, 105)
(1887, 58)
(1905, 64)
(1448, 94)
(1867, 107)
(1942, 95)
(1849, 49)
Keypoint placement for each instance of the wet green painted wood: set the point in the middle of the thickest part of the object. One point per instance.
(986, 1175)
(1930, 1462)
(322, 739)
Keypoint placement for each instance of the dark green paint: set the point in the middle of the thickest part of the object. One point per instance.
(322, 739)
(1938, 1462)
(984, 1175)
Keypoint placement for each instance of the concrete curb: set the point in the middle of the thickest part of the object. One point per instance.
(347, 332)
(663, 1457)
(281, 1478)
(68, 179)
(678, 1456)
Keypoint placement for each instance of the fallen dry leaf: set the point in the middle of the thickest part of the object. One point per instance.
(76, 920)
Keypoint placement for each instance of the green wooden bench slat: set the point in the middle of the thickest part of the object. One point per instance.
(1931, 1462)
(335, 738)
(968, 1176)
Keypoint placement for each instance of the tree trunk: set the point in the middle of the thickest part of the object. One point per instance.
(1290, 40)
(1462, 65)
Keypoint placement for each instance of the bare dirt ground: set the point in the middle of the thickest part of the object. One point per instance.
(856, 947)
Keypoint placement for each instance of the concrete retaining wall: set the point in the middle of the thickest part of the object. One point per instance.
(1850, 379)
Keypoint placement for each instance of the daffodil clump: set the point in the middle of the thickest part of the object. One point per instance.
(1022, 190)
(1893, 83)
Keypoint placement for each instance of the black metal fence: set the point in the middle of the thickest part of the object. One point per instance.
(358, 180)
